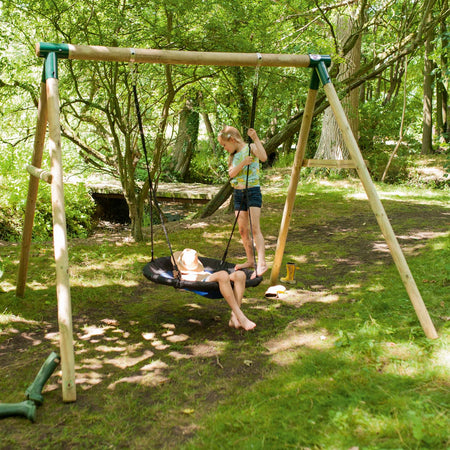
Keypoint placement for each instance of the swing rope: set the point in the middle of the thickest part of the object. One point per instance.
(152, 194)
(158, 270)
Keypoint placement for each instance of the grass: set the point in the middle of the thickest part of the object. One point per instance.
(339, 362)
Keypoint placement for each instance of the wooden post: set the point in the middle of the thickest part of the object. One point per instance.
(330, 163)
(60, 233)
(379, 212)
(33, 186)
(295, 173)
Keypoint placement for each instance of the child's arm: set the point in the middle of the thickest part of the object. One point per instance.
(257, 148)
(234, 170)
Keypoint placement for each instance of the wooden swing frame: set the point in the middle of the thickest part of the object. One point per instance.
(49, 113)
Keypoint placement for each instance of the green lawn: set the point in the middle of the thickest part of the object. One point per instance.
(339, 362)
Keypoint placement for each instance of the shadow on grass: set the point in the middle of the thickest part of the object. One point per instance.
(339, 361)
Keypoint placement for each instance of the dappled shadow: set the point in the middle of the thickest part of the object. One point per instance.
(119, 350)
(141, 338)
(134, 338)
(120, 343)
(136, 341)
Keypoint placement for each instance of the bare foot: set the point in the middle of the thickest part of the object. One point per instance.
(234, 323)
(245, 265)
(248, 325)
(259, 271)
(262, 268)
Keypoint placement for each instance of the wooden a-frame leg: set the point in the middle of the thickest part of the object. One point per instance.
(60, 241)
(295, 174)
(380, 214)
(33, 186)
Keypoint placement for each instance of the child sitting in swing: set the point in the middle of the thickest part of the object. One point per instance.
(231, 286)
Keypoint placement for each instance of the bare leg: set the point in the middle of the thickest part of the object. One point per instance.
(238, 279)
(226, 289)
(243, 224)
(259, 240)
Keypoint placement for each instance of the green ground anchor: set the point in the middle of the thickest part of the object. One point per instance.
(26, 408)
(34, 391)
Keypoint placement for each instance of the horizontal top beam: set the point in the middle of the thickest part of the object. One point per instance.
(138, 55)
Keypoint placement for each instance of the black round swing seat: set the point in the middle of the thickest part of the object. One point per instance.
(160, 271)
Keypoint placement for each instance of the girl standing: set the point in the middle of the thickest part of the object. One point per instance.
(240, 156)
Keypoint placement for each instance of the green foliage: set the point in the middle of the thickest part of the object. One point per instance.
(206, 166)
(209, 167)
(379, 127)
(97, 108)
(79, 207)
(399, 167)
(284, 159)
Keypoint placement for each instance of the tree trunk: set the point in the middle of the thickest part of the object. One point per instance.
(331, 144)
(159, 147)
(395, 81)
(440, 127)
(207, 122)
(136, 221)
(182, 137)
(187, 138)
(442, 87)
(219, 199)
(240, 95)
(287, 144)
(427, 124)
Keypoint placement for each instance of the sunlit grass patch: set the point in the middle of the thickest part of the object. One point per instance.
(7, 318)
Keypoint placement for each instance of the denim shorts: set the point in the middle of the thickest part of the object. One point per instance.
(254, 198)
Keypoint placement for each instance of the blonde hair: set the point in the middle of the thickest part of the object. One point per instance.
(229, 132)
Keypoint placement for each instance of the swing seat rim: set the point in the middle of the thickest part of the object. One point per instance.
(160, 271)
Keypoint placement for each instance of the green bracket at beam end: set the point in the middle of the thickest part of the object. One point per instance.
(50, 67)
(315, 82)
(322, 72)
(315, 60)
(44, 48)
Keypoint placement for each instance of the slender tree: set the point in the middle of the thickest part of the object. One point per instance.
(427, 124)
(442, 116)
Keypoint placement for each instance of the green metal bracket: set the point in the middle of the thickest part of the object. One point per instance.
(45, 48)
(315, 60)
(315, 82)
(26, 408)
(50, 67)
(43, 74)
(322, 72)
(34, 391)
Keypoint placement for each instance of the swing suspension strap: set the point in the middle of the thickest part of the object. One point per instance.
(249, 141)
(152, 194)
